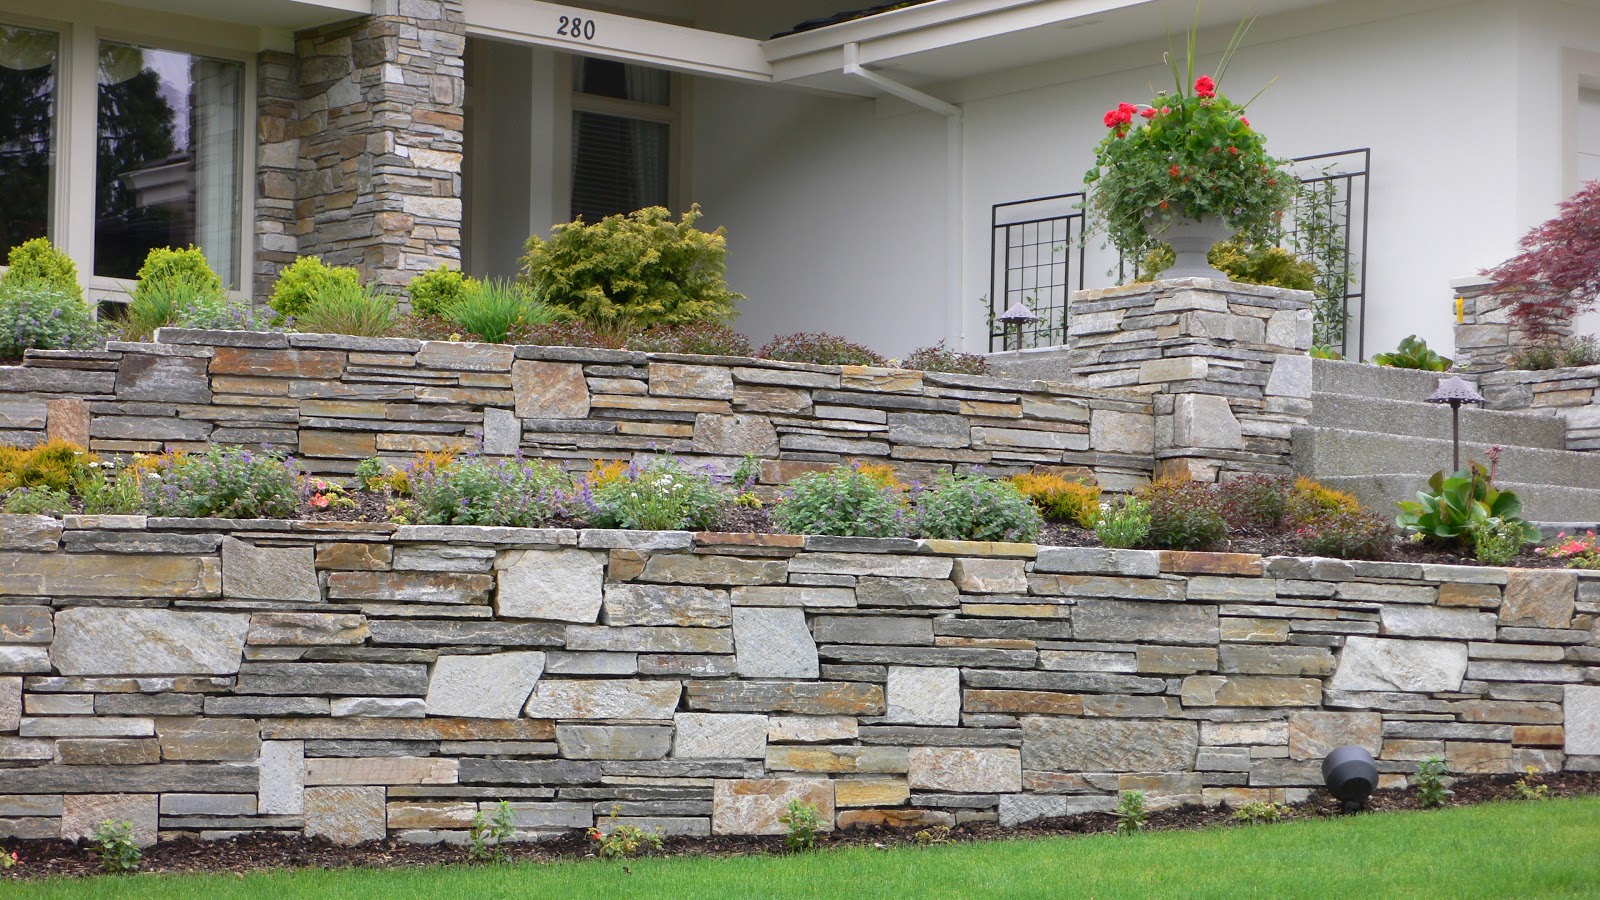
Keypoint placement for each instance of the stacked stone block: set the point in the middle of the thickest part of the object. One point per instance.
(359, 681)
(334, 400)
(1225, 365)
(1571, 393)
(1485, 335)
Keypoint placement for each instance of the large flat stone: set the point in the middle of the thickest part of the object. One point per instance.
(1314, 734)
(609, 699)
(1581, 705)
(1382, 664)
(109, 641)
(251, 572)
(1162, 623)
(490, 686)
(163, 379)
(720, 736)
(659, 604)
(800, 697)
(924, 696)
(1108, 745)
(41, 533)
(1251, 690)
(772, 642)
(82, 815)
(305, 629)
(1539, 599)
(752, 806)
(10, 703)
(735, 435)
(346, 815)
(1438, 622)
(354, 679)
(966, 770)
(635, 742)
(560, 585)
(549, 390)
(696, 568)
(283, 778)
(205, 739)
(60, 575)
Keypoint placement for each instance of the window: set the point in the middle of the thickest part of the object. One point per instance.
(169, 158)
(623, 120)
(28, 59)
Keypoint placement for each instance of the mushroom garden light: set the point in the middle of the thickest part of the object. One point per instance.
(1455, 391)
(1015, 317)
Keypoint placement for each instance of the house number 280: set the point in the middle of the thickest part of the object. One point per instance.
(577, 28)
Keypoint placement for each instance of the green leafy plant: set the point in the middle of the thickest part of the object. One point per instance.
(478, 491)
(1496, 541)
(1324, 351)
(841, 501)
(819, 350)
(1059, 499)
(1265, 264)
(1258, 813)
(934, 836)
(1530, 786)
(634, 271)
(1344, 534)
(1131, 813)
(1413, 353)
(9, 860)
(704, 338)
(659, 495)
(187, 266)
(155, 304)
(438, 289)
(962, 507)
(1195, 155)
(486, 838)
(803, 825)
(1184, 515)
(39, 316)
(37, 263)
(368, 471)
(496, 310)
(1318, 237)
(1123, 524)
(1452, 505)
(624, 841)
(939, 358)
(229, 483)
(113, 843)
(106, 491)
(1577, 552)
(1429, 784)
(37, 501)
(1557, 353)
(304, 279)
(345, 307)
(1255, 502)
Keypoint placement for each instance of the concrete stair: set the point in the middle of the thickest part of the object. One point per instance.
(1371, 434)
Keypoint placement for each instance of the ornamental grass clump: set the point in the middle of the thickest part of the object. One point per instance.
(973, 507)
(1187, 154)
(349, 308)
(496, 310)
(843, 501)
(228, 483)
(472, 490)
(658, 495)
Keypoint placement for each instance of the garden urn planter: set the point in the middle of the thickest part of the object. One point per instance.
(1190, 240)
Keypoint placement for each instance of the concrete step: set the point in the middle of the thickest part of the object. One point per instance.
(1574, 508)
(1432, 420)
(1329, 376)
(1330, 452)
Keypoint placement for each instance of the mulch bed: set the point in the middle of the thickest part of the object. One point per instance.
(264, 852)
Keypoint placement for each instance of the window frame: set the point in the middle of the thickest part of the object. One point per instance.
(675, 116)
(77, 128)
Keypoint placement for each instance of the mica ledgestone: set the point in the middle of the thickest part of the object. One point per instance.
(558, 585)
(752, 806)
(110, 641)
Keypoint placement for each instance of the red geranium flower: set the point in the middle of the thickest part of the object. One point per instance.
(1148, 112)
(1243, 121)
(1174, 170)
(1205, 87)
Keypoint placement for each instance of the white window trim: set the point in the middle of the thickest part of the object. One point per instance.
(77, 133)
(675, 116)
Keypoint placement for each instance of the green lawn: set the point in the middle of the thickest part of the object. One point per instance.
(1496, 850)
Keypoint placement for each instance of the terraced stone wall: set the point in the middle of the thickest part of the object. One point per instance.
(334, 400)
(357, 681)
(1572, 393)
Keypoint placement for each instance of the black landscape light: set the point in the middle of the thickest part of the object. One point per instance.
(1017, 316)
(1350, 775)
(1455, 391)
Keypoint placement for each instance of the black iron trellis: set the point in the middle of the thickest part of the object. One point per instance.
(1036, 254)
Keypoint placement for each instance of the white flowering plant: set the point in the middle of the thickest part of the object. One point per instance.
(660, 494)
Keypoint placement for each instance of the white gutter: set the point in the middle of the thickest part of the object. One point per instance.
(955, 140)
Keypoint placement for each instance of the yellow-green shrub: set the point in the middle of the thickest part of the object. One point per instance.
(38, 262)
(436, 290)
(1059, 499)
(57, 464)
(166, 264)
(305, 278)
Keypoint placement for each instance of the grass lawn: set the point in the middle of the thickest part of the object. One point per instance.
(1494, 850)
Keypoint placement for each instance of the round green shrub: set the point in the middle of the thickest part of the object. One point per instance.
(189, 266)
(841, 501)
(976, 508)
(305, 278)
(1184, 515)
(37, 262)
(436, 290)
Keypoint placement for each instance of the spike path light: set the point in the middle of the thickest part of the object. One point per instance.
(1455, 391)
(1014, 318)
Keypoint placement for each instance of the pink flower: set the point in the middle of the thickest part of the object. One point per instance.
(1205, 87)
(1149, 112)
(1243, 121)
(320, 501)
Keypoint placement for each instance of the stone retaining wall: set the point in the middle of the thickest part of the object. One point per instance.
(1571, 393)
(335, 400)
(356, 681)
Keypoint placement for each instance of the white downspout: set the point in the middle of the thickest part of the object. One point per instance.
(955, 232)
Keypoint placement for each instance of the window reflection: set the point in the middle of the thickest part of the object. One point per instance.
(168, 167)
(27, 133)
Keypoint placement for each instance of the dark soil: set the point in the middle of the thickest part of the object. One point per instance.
(267, 851)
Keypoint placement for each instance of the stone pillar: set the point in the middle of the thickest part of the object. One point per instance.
(381, 115)
(277, 165)
(1225, 363)
(1486, 337)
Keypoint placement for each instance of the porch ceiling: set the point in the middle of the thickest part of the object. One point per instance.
(290, 15)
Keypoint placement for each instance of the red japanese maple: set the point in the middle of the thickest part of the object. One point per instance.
(1556, 276)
